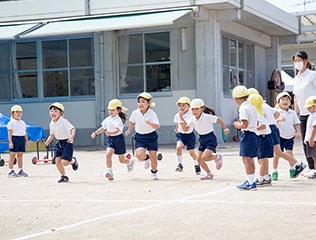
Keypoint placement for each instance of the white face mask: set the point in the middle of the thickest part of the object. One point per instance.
(299, 65)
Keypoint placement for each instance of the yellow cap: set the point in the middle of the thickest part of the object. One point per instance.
(311, 101)
(57, 105)
(197, 103)
(283, 94)
(257, 101)
(115, 103)
(148, 97)
(16, 108)
(240, 91)
(145, 95)
(184, 100)
(252, 91)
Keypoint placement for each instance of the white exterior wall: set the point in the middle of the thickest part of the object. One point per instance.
(196, 70)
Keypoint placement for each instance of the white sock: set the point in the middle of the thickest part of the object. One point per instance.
(274, 170)
(180, 159)
(196, 162)
(250, 178)
(109, 170)
(260, 178)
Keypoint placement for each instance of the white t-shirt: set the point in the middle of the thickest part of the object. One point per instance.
(186, 117)
(269, 113)
(304, 87)
(286, 127)
(112, 123)
(263, 121)
(248, 112)
(311, 122)
(204, 124)
(138, 118)
(61, 128)
(18, 127)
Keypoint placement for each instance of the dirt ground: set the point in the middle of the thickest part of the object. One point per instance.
(177, 206)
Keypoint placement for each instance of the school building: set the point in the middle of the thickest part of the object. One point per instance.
(83, 53)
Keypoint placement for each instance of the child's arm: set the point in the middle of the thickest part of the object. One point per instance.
(10, 138)
(72, 135)
(130, 128)
(153, 125)
(26, 140)
(97, 132)
(221, 122)
(49, 139)
(115, 131)
(298, 130)
(241, 124)
(311, 139)
(261, 127)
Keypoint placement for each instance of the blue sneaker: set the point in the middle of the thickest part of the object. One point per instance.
(246, 186)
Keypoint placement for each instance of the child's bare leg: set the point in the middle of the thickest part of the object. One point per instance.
(179, 148)
(59, 166)
(122, 159)
(203, 157)
(264, 167)
(141, 153)
(108, 157)
(11, 159)
(20, 159)
(275, 162)
(249, 164)
(286, 156)
(153, 160)
(193, 154)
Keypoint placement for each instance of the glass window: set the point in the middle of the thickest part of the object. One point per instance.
(54, 54)
(24, 76)
(144, 62)
(55, 83)
(62, 67)
(238, 64)
(5, 80)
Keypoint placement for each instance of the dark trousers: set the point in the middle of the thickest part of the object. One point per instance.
(309, 160)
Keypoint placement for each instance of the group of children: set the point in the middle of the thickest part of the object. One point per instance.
(266, 132)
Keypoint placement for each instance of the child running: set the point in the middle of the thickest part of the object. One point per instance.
(64, 132)
(265, 148)
(289, 127)
(296, 167)
(18, 138)
(202, 121)
(185, 137)
(310, 136)
(146, 122)
(113, 126)
(249, 142)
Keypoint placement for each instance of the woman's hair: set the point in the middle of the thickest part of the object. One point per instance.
(122, 115)
(303, 55)
(208, 110)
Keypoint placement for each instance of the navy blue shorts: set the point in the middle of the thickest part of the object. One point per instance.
(64, 150)
(208, 141)
(187, 139)
(249, 144)
(117, 143)
(148, 141)
(275, 133)
(311, 151)
(287, 144)
(265, 149)
(18, 144)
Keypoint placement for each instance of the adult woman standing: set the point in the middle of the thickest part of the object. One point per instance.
(304, 87)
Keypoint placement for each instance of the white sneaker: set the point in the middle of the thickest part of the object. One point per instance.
(306, 172)
(154, 176)
(130, 166)
(147, 164)
(311, 173)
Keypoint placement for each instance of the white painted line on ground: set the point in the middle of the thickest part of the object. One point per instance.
(135, 210)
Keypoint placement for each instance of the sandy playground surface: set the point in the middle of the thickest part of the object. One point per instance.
(177, 206)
